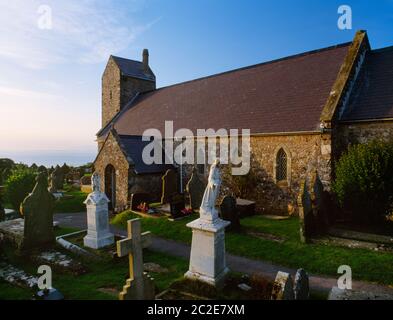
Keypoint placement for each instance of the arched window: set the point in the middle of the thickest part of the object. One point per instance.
(281, 166)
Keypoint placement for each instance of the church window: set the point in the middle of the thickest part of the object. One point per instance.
(281, 166)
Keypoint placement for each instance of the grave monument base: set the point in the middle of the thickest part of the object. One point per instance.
(207, 262)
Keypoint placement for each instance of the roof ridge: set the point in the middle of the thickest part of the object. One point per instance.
(298, 55)
(117, 57)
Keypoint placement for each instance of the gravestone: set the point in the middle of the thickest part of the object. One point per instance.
(319, 203)
(207, 260)
(98, 233)
(37, 210)
(229, 213)
(169, 185)
(301, 287)
(177, 204)
(56, 180)
(245, 208)
(139, 286)
(2, 211)
(137, 199)
(306, 216)
(195, 188)
(282, 287)
(42, 169)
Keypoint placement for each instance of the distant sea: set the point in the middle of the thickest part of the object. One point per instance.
(50, 158)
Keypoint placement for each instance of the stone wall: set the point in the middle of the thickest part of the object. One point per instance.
(362, 132)
(305, 153)
(129, 87)
(110, 92)
(112, 154)
(118, 90)
(149, 183)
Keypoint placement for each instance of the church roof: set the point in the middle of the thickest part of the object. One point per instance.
(372, 98)
(132, 68)
(281, 96)
(133, 147)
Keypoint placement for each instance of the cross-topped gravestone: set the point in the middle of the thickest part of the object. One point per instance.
(139, 286)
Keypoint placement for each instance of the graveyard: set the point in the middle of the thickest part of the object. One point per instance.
(137, 254)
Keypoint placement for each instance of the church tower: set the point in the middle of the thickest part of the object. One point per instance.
(122, 80)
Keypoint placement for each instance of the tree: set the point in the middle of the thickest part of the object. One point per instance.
(18, 185)
(364, 181)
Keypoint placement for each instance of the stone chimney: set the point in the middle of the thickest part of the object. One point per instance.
(145, 60)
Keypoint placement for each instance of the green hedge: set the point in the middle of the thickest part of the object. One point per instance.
(18, 185)
(364, 181)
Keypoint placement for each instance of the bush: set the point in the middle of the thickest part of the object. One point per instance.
(364, 180)
(18, 185)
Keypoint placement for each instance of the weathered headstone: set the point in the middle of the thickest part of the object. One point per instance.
(139, 286)
(207, 261)
(2, 211)
(229, 213)
(42, 169)
(319, 203)
(301, 287)
(98, 233)
(169, 185)
(137, 199)
(177, 204)
(245, 208)
(195, 188)
(282, 287)
(37, 210)
(56, 180)
(306, 217)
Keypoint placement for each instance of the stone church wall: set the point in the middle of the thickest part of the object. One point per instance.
(363, 132)
(112, 154)
(149, 183)
(110, 92)
(305, 153)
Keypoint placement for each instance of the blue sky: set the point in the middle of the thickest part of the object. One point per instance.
(50, 80)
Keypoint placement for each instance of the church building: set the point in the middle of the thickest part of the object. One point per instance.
(303, 111)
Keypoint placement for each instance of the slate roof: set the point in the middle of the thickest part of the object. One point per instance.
(281, 96)
(133, 68)
(133, 147)
(372, 97)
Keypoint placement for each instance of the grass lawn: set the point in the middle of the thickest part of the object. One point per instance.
(72, 202)
(315, 258)
(103, 280)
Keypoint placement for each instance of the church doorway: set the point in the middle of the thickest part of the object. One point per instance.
(110, 185)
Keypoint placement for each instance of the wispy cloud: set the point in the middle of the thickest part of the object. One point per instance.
(24, 93)
(84, 31)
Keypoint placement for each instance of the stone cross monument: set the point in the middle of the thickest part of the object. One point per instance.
(98, 234)
(139, 286)
(207, 262)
